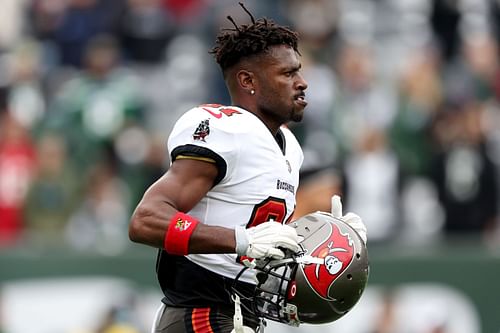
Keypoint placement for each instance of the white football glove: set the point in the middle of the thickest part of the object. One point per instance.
(350, 218)
(263, 240)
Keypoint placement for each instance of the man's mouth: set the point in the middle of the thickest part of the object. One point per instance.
(301, 99)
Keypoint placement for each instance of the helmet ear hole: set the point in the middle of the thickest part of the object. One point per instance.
(349, 276)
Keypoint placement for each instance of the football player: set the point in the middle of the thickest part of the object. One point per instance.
(231, 185)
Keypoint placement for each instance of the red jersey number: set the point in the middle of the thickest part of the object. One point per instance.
(269, 209)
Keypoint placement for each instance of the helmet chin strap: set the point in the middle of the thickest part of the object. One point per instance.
(238, 318)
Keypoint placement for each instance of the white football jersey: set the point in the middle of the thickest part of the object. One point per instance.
(257, 179)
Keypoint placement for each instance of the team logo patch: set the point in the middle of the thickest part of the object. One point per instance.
(337, 252)
(182, 225)
(202, 131)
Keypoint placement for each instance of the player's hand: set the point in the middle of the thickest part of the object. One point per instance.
(265, 240)
(350, 218)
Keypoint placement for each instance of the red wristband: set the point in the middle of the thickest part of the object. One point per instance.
(178, 233)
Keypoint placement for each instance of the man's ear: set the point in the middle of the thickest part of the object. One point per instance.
(246, 80)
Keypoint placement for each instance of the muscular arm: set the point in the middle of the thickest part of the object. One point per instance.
(179, 189)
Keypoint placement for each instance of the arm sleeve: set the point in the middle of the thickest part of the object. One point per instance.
(198, 136)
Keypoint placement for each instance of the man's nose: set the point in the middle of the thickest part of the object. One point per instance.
(302, 83)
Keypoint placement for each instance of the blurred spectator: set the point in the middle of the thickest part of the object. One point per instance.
(317, 23)
(100, 222)
(362, 98)
(12, 22)
(422, 226)
(495, 18)
(444, 19)
(146, 29)
(185, 12)
(167, 95)
(26, 98)
(92, 108)
(45, 17)
(145, 160)
(475, 71)
(420, 94)
(17, 165)
(372, 184)
(54, 192)
(463, 172)
(72, 24)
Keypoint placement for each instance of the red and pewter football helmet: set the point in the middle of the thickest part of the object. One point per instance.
(320, 284)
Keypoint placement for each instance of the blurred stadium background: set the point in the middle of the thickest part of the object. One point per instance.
(403, 120)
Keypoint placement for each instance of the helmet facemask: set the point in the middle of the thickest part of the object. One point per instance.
(319, 284)
(275, 286)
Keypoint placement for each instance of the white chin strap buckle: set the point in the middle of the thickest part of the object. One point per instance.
(238, 318)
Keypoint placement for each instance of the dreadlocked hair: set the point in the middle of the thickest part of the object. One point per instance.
(231, 45)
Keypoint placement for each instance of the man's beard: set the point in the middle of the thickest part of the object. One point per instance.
(296, 116)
